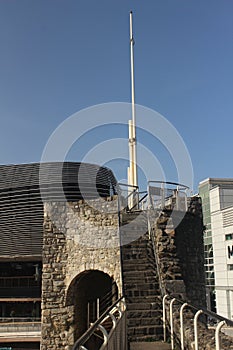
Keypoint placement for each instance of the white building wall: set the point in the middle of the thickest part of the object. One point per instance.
(220, 199)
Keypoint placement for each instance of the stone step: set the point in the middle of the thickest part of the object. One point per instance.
(136, 306)
(135, 222)
(146, 338)
(130, 279)
(142, 281)
(142, 246)
(129, 217)
(143, 300)
(145, 330)
(138, 275)
(142, 292)
(137, 252)
(132, 230)
(130, 266)
(132, 240)
(146, 256)
(146, 321)
(154, 314)
(138, 233)
(141, 285)
(137, 257)
(144, 260)
(137, 293)
(146, 299)
(142, 241)
(150, 346)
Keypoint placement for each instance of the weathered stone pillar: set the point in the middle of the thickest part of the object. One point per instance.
(180, 254)
(79, 237)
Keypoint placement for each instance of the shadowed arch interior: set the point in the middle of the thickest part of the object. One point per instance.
(83, 293)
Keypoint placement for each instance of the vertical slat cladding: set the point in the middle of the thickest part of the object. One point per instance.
(21, 207)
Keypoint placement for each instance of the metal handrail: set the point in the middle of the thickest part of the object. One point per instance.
(100, 304)
(223, 321)
(164, 196)
(169, 183)
(133, 192)
(127, 185)
(82, 340)
(139, 200)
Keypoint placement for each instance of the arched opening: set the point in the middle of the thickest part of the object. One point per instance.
(91, 293)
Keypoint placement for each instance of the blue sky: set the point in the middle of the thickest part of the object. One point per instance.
(60, 56)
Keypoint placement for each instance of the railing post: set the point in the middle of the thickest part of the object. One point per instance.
(217, 334)
(162, 196)
(171, 323)
(182, 325)
(88, 315)
(186, 200)
(164, 318)
(97, 308)
(105, 334)
(197, 314)
(114, 321)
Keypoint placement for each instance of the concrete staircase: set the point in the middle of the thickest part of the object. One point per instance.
(141, 287)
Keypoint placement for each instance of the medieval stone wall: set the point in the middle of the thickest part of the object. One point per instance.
(78, 236)
(178, 241)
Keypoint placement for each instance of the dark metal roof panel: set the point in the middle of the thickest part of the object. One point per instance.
(21, 206)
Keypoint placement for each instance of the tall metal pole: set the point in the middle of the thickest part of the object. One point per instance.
(132, 171)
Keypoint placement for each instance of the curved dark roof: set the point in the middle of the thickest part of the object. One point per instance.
(22, 188)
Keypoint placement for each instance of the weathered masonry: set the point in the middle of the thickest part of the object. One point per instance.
(70, 248)
(81, 264)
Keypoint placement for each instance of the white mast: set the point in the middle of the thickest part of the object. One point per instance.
(132, 170)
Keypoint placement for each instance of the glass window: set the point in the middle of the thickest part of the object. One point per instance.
(229, 236)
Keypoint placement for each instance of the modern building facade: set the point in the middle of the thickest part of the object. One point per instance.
(22, 191)
(217, 202)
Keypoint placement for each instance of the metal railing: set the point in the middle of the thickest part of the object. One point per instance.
(130, 198)
(163, 194)
(159, 194)
(95, 308)
(168, 319)
(113, 339)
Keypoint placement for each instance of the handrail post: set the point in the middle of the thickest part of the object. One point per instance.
(217, 334)
(182, 325)
(119, 310)
(98, 308)
(88, 314)
(197, 314)
(186, 201)
(171, 323)
(105, 333)
(162, 196)
(114, 321)
(164, 318)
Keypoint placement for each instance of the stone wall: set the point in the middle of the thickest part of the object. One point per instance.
(78, 237)
(206, 334)
(178, 242)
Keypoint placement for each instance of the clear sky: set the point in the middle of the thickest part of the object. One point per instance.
(60, 56)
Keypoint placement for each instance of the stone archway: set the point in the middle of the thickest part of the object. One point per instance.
(83, 293)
